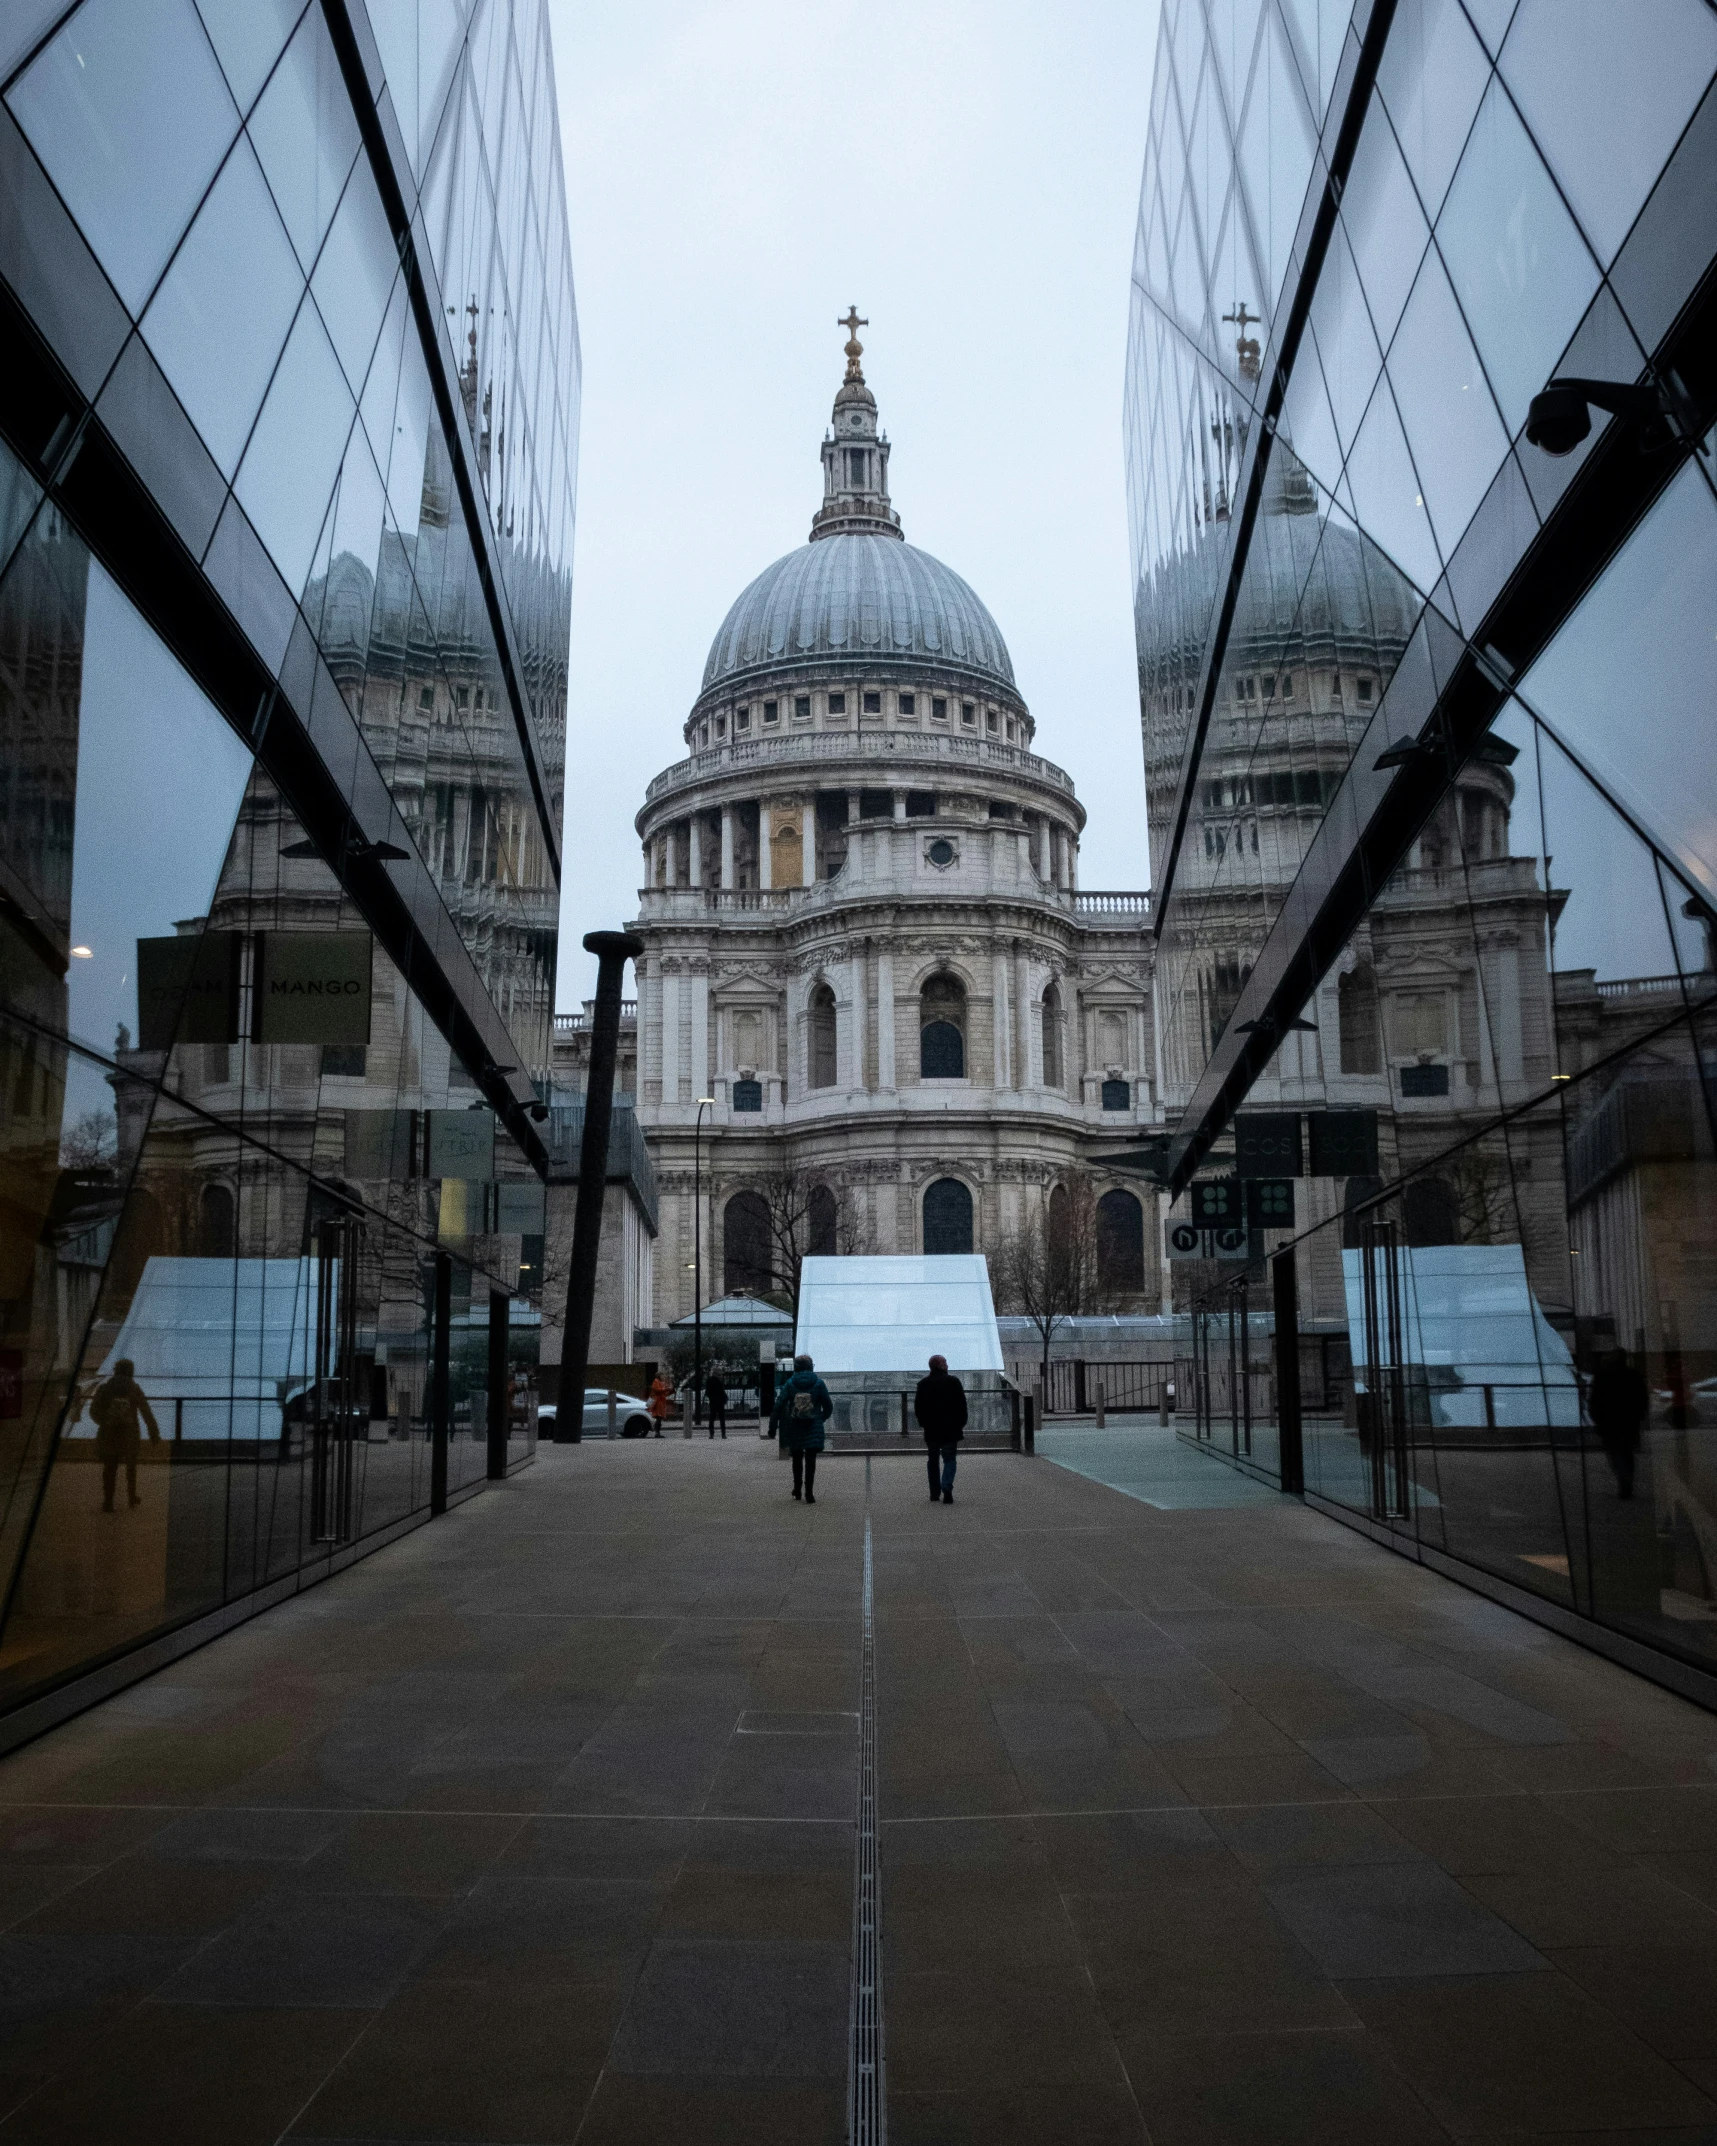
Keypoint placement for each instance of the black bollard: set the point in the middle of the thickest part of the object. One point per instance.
(613, 949)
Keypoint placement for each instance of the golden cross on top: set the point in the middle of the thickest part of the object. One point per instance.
(1246, 346)
(855, 349)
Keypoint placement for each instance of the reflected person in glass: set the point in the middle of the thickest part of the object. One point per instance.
(1618, 1404)
(118, 1405)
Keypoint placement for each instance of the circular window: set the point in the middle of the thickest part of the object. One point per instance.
(941, 851)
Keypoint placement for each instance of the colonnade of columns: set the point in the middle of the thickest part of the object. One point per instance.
(681, 854)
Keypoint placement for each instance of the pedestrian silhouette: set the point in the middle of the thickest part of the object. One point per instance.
(940, 1408)
(715, 1394)
(802, 1407)
(119, 1409)
(1618, 1405)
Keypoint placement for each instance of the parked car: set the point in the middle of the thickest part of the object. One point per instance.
(631, 1417)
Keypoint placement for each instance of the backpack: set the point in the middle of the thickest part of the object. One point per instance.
(804, 1404)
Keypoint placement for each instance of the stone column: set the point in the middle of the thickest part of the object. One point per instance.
(999, 1015)
(1022, 1018)
(852, 807)
(857, 980)
(727, 878)
(900, 804)
(808, 841)
(670, 1037)
(885, 1020)
(699, 981)
(694, 850)
(765, 877)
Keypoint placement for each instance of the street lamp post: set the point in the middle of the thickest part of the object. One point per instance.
(705, 1102)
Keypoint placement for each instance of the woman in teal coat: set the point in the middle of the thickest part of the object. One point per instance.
(801, 1409)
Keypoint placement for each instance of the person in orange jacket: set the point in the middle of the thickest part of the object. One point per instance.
(661, 1393)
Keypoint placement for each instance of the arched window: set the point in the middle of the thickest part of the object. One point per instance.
(215, 1223)
(786, 854)
(745, 1264)
(947, 1216)
(942, 1029)
(822, 1037)
(1120, 1242)
(1356, 999)
(822, 1220)
(1053, 1076)
(1060, 1216)
(1430, 1213)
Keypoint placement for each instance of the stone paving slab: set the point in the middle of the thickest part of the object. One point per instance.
(1204, 1822)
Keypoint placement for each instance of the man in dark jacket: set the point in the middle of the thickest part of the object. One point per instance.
(119, 1409)
(715, 1395)
(941, 1412)
(802, 1407)
(1618, 1404)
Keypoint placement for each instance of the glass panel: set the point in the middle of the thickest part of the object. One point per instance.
(1643, 640)
(1384, 487)
(144, 732)
(1278, 142)
(1384, 222)
(127, 110)
(306, 135)
(1342, 331)
(295, 452)
(355, 276)
(130, 1534)
(248, 37)
(42, 602)
(1433, 74)
(224, 307)
(1520, 268)
(1607, 91)
(1456, 436)
(26, 21)
(888, 1313)
(1612, 936)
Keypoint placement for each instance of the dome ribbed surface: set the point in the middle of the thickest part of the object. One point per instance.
(857, 597)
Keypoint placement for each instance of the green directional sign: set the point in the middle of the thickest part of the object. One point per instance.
(1270, 1202)
(1216, 1202)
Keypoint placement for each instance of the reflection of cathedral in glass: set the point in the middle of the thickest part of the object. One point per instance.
(1429, 809)
(285, 540)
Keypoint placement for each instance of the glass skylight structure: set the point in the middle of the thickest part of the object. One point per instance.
(288, 438)
(1428, 686)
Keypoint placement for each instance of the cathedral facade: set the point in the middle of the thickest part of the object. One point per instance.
(876, 1011)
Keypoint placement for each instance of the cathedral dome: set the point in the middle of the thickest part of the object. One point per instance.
(861, 598)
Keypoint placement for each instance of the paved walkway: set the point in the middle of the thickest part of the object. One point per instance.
(1199, 1824)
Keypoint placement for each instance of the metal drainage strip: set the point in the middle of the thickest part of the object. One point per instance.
(866, 2105)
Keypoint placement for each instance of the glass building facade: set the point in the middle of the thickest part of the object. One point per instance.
(1428, 716)
(288, 431)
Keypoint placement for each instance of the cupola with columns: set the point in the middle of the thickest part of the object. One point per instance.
(855, 456)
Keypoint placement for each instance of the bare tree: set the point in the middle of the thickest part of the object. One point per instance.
(1046, 1270)
(1483, 1187)
(807, 1214)
(89, 1141)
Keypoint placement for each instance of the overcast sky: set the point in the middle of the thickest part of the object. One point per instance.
(738, 171)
